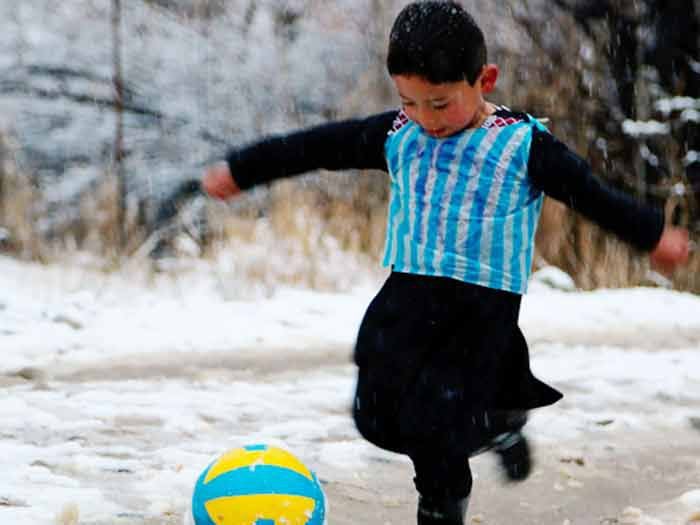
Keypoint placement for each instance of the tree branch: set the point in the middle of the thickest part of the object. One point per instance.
(14, 87)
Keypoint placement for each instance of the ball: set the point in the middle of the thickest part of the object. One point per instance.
(258, 485)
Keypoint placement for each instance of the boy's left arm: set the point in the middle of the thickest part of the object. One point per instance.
(566, 177)
(672, 250)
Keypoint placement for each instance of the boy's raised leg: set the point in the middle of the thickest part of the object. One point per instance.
(511, 446)
(514, 453)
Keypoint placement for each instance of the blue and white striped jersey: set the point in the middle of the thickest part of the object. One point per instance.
(463, 206)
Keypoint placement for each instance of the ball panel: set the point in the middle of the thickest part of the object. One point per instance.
(251, 456)
(277, 509)
(263, 479)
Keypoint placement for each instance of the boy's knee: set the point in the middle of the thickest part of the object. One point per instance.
(515, 419)
(374, 422)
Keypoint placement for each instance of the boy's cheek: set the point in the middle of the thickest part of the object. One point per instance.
(410, 113)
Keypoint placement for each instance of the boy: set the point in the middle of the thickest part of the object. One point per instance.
(443, 369)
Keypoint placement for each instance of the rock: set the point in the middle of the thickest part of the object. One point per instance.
(69, 515)
(635, 516)
(575, 460)
(574, 484)
(631, 516)
(11, 502)
(691, 499)
(554, 278)
(68, 320)
(30, 373)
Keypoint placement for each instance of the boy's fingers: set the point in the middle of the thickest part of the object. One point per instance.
(218, 182)
(664, 267)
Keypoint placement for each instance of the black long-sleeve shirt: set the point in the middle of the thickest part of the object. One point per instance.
(359, 144)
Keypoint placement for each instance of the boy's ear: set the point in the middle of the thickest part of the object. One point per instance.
(488, 78)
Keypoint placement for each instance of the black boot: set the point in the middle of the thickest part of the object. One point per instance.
(443, 512)
(514, 452)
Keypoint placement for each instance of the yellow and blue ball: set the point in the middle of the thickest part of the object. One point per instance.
(258, 485)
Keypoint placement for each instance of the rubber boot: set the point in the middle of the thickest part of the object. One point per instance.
(444, 512)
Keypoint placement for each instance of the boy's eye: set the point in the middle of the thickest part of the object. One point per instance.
(407, 104)
(440, 105)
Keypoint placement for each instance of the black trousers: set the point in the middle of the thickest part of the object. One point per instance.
(441, 364)
(441, 475)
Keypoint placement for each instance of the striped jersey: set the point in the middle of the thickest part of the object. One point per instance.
(463, 207)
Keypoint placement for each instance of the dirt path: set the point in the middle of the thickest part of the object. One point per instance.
(604, 472)
(615, 479)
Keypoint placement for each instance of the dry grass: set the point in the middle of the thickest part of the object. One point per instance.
(305, 239)
(18, 205)
(324, 232)
(595, 258)
(591, 256)
(98, 229)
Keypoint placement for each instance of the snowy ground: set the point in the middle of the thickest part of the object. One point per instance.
(116, 394)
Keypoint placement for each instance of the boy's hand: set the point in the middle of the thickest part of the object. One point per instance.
(672, 250)
(218, 182)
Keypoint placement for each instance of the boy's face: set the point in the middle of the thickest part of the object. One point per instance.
(445, 109)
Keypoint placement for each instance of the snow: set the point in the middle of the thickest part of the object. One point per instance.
(668, 105)
(691, 157)
(690, 115)
(641, 129)
(118, 390)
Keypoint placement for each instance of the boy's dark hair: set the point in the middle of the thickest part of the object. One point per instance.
(436, 40)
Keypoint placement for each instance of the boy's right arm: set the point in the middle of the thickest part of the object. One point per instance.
(350, 144)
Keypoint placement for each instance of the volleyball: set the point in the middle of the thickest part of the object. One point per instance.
(258, 485)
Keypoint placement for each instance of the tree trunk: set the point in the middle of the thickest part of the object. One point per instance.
(118, 82)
